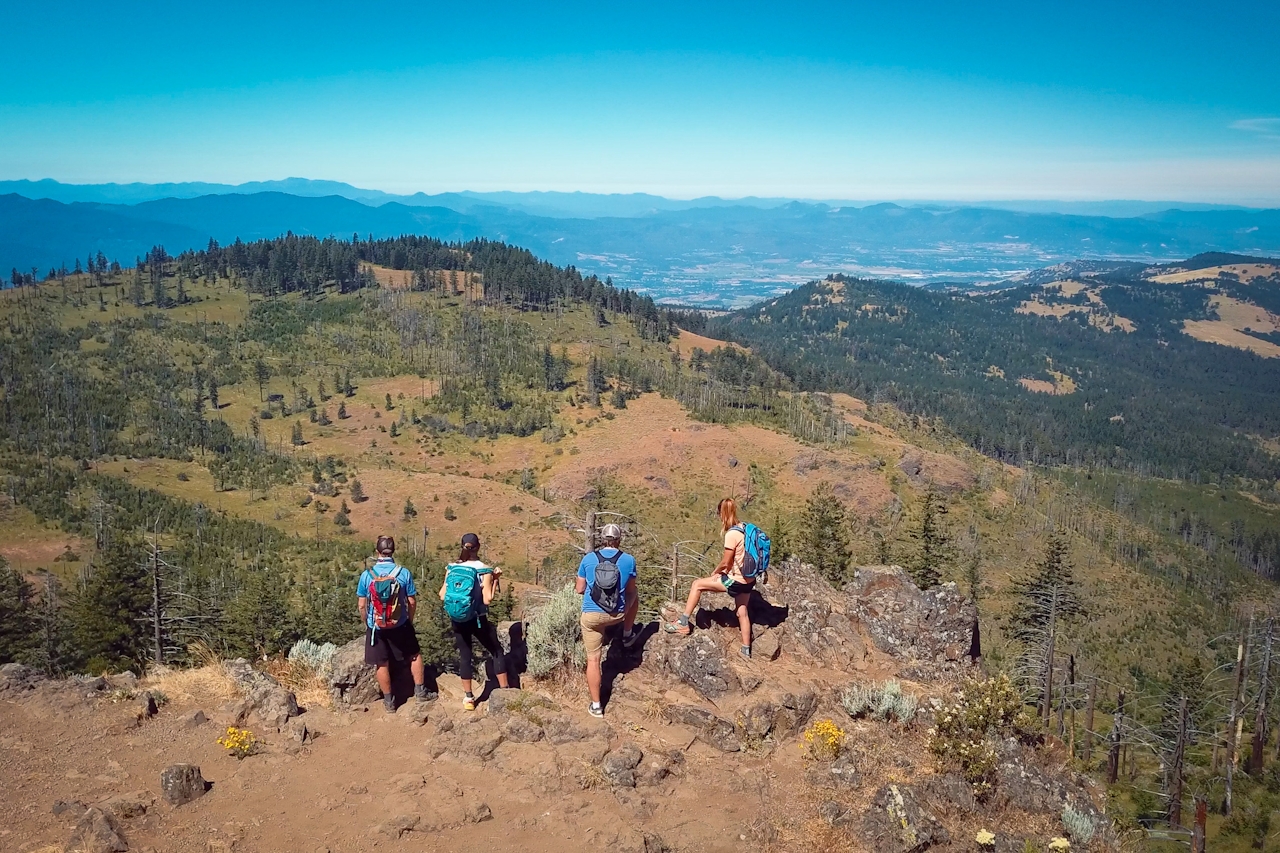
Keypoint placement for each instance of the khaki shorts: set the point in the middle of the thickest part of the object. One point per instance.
(593, 627)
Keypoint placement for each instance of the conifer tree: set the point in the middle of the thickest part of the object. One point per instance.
(410, 511)
(297, 438)
(258, 620)
(110, 612)
(824, 540)
(1046, 596)
(933, 548)
(137, 293)
(52, 640)
(17, 617)
(262, 374)
(357, 492)
(213, 393)
(342, 411)
(619, 399)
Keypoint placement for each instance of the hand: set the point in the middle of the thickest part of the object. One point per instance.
(497, 572)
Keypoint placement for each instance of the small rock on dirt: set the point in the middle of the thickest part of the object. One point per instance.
(501, 697)
(96, 833)
(407, 783)
(297, 730)
(195, 719)
(767, 646)
(182, 783)
(398, 826)
(416, 713)
(833, 814)
(479, 813)
(520, 729)
(619, 766)
(71, 809)
(128, 806)
(711, 729)
(147, 707)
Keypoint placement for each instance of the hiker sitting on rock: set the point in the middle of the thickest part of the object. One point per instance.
(607, 584)
(468, 590)
(387, 598)
(746, 557)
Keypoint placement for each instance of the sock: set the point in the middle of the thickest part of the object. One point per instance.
(684, 619)
(469, 696)
(596, 705)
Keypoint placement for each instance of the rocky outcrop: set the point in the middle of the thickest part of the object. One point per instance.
(619, 766)
(265, 697)
(710, 729)
(929, 630)
(897, 823)
(779, 717)
(698, 661)
(96, 832)
(16, 676)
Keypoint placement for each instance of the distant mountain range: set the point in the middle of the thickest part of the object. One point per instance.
(706, 251)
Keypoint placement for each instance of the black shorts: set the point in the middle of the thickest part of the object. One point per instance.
(390, 645)
(734, 588)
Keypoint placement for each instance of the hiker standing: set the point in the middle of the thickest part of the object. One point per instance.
(607, 583)
(746, 557)
(468, 590)
(387, 598)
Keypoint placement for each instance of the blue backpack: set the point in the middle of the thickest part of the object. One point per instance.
(755, 562)
(462, 598)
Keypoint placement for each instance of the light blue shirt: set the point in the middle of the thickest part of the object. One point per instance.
(382, 568)
(587, 570)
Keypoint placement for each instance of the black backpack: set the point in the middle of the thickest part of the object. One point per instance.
(606, 589)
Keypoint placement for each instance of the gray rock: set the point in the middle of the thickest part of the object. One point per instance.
(234, 713)
(398, 826)
(69, 809)
(619, 766)
(195, 719)
(16, 676)
(350, 679)
(297, 730)
(896, 823)
(793, 712)
(833, 813)
(949, 791)
(147, 707)
(934, 627)
(123, 680)
(273, 704)
(700, 662)
(841, 773)
(501, 697)
(128, 806)
(711, 729)
(520, 729)
(561, 729)
(767, 646)
(96, 832)
(94, 683)
(416, 713)
(181, 783)
(652, 771)
(478, 813)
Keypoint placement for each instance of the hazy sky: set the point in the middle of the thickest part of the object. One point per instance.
(1169, 100)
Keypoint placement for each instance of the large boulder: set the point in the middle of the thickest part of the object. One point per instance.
(896, 823)
(698, 661)
(265, 696)
(933, 627)
(818, 620)
(16, 676)
(781, 716)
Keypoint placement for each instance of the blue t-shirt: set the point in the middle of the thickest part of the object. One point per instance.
(587, 569)
(382, 568)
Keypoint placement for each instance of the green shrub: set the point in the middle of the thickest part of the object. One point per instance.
(962, 736)
(1078, 825)
(882, 702)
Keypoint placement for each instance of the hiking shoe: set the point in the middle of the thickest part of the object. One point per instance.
(677, 628)
(629, 640)
(595, 709)
(745, 651)
(421, 694)
(468, 703)
(389, 703)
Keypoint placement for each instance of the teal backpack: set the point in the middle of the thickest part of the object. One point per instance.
(462, 599)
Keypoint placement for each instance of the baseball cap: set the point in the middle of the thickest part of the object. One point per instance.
(611, 531)
(471, 539)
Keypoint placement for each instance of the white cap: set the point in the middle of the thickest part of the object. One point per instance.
(611, 531)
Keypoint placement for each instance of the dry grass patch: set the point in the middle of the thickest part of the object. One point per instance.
(1246, 273)
(686, 342)
(1234, 316)
(297, 676)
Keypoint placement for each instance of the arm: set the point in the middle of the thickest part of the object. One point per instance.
(487, 586)
(413, 606)
(442, 586)
(726, 562)
(362, 604)
(580, 585)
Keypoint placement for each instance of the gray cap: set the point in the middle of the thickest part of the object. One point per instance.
(611, 531)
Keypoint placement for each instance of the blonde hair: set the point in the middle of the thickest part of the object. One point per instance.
(728, 511)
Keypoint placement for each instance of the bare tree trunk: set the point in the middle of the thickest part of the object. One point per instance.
(1179, 754)
(1113, 758)
(675, 571)
(1260, 718)
(1071, 683)
(1088, 719)
(1197, 832)
(1046, 702)
(1235, 724)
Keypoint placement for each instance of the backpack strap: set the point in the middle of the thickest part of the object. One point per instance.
(600, 558)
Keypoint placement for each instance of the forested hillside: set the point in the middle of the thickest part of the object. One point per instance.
(1145, 398)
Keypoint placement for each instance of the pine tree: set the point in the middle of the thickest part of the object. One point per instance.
(394, 432)
(320, 392)
(258, 620)
(390, 405)
(158, 296)
(824, 540)
(262, 374)
(933, 548)
(110, 613)
(17, 616)
(52, 651)
(213, 393)
(297, 438)
(973, 576)
(342, 411)
(619, 399)
(357, 492)
(410, 511)
(137, 292)
(323, 419)
(1047, 596)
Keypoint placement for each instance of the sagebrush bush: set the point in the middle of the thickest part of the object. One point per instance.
(883, 702)
(312, 654)
(1079, 826)
(554, 634)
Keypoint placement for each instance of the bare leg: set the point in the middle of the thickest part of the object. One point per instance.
(629, 617)
(701, 585)
(744, 619)
(383, 675)
(418, 670)
(502, 680)
(594, 677)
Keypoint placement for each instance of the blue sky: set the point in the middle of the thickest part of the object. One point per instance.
(1158, 101)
